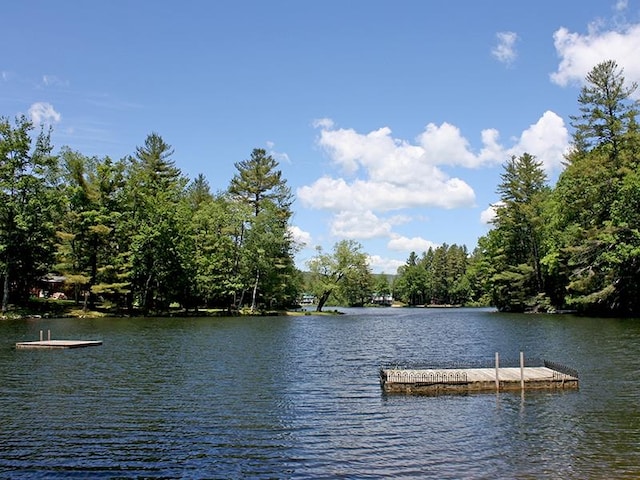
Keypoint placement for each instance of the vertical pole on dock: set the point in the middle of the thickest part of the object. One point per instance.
(522, 370)
(49, 335)
(497, 371)
(40, 335)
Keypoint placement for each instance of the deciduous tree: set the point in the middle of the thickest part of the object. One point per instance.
(28, 207)
(330, 270)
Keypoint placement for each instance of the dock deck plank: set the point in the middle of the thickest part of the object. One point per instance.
(54, 344)
(467, 379)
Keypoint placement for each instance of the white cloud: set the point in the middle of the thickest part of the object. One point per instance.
(384, 265)
(393, 174)
(300, 237)
(336, 194)
(445, 145)
(408, 245)
(278, 156)
(362, 225)
(547, 140)
(324, 123)
(487, 216)
(505, 50)
(383, 174)
(580, 53)
(43, 113)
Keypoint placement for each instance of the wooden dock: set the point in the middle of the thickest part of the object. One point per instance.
(433, 381)
(51, 344)
(56, 344)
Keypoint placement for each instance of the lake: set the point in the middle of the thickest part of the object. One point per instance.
(299, 397)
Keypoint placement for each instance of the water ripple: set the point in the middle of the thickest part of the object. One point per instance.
(299, 398)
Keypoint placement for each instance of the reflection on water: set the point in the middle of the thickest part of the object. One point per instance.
(298, 397)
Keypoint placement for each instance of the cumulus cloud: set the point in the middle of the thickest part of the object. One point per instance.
(43, 113)
(580, 53)
(505, 51)
(300, 237)
(407, 245)
(380, 173)
(384, 265)
(357, 224)
(547, 140)
(488, 215)
(394, 174)
(383, 173)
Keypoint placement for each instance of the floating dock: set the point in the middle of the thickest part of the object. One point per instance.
(55, 344)
(434, 381)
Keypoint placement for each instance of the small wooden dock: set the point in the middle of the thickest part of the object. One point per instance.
(434, 381)
(56, 344)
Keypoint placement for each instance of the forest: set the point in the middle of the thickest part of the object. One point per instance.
(136, 236)
(574, 246)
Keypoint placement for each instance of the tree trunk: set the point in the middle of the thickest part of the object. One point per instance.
(322, 300)
(146, 297)
(255, 292)
(86, 300)
(5, 292)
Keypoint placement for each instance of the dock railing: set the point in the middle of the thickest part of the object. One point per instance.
(421, 376)
(563, 369)
(425, 377)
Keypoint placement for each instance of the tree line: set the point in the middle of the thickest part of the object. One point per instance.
(572, 246)
(137, 234)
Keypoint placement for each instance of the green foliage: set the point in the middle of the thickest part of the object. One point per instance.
(264, 258)
(258, 183)
(344, 273)
(436, 278)
(137, 233)
(516, 245)
(155, 259)
(85, 242)
(606, 114)
(29, 202)
(594, 214)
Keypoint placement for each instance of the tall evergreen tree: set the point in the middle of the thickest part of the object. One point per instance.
(257, 182)
(266, 252)
(411, 283)
(593, 246)
(607, 112)
(519, 232)
(158, 251)
(198, 192)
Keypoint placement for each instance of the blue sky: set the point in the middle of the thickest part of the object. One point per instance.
(390, 120)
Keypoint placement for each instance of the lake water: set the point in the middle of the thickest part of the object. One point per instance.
(299, 397)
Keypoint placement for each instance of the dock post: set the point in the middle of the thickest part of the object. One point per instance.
(522, 370)
(49, 335)
(41, 335)
(497, 371)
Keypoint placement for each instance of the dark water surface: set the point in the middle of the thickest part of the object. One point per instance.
(298, 397)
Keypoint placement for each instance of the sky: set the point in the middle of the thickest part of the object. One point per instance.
(391, 121)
